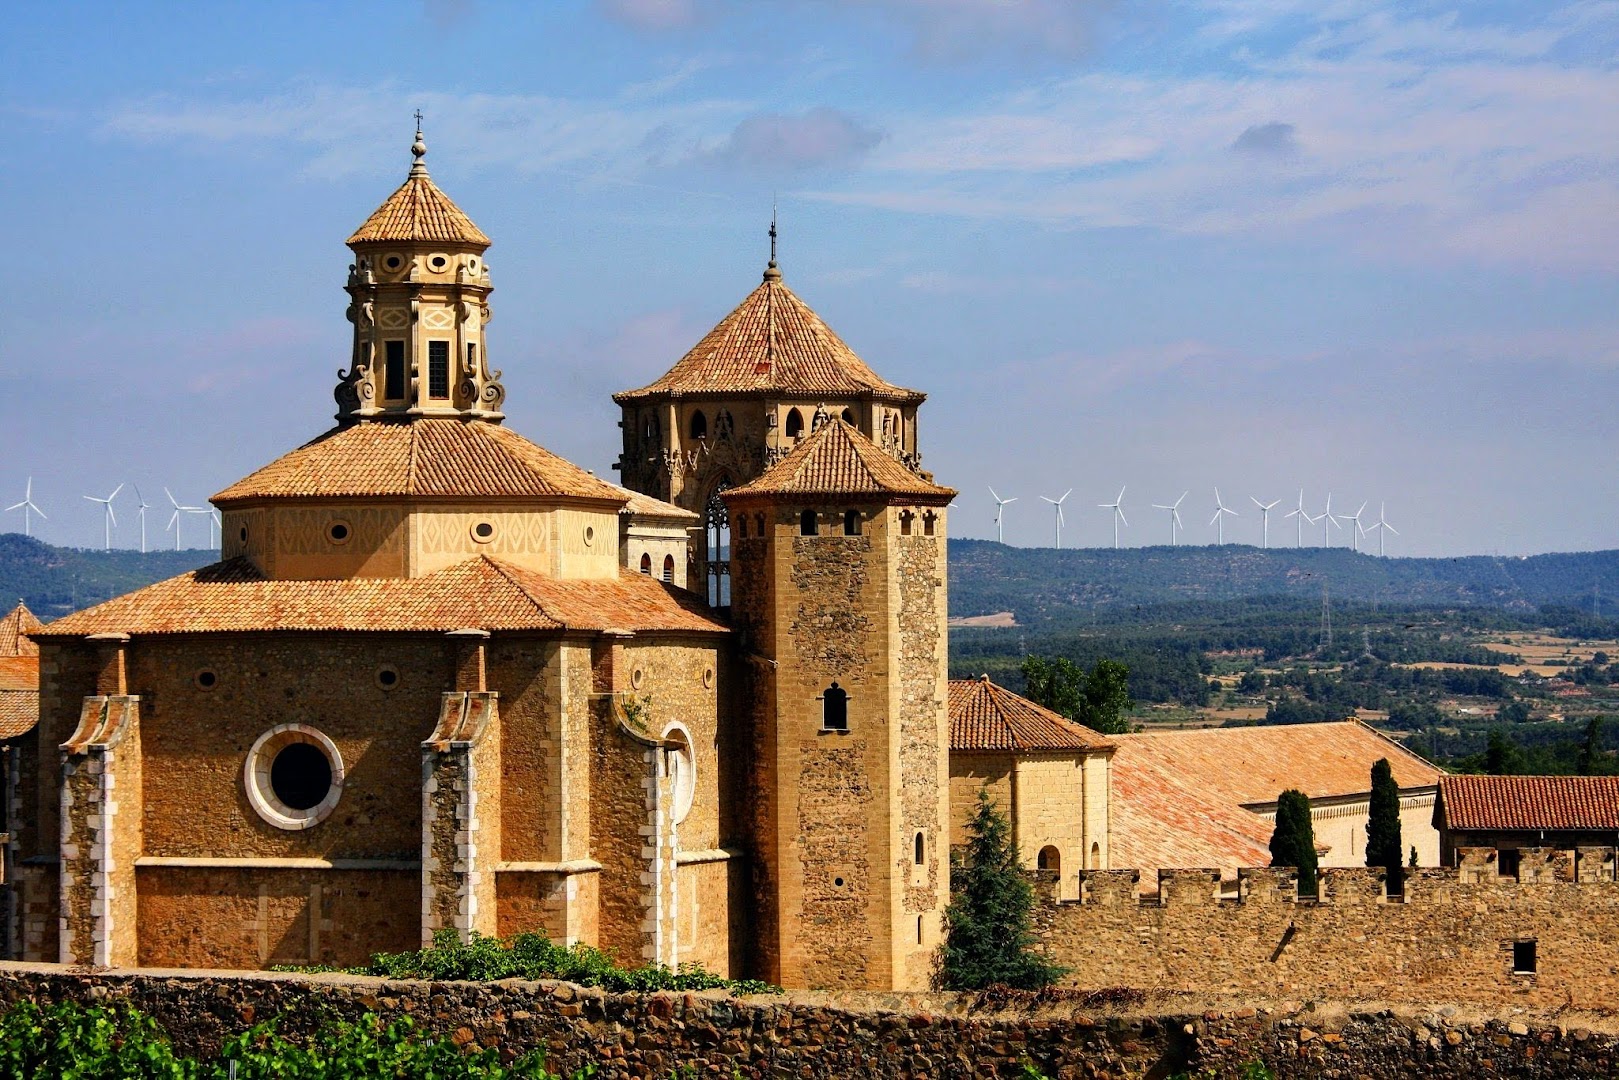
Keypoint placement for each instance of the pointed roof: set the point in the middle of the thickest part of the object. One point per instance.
(985, 716)
(14, 631)
(419, 212)
(836, 459)
(485, 592)
(772, 343)
(427, 456)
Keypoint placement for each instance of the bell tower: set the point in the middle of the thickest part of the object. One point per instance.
(838, 592)
(419, 298)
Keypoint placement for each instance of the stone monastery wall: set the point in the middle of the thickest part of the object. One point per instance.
(1544, 939)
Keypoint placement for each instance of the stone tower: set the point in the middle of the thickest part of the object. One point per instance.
(738, 403)
(839, 597)
(420, 298)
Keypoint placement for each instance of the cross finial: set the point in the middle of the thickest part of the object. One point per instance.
(772, 271)
(418, 149)
(418, 121)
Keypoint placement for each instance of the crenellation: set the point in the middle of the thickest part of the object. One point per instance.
(1185, 888)
(1268, 885)
(1347, 885)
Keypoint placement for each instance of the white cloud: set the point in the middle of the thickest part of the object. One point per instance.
(772, 142)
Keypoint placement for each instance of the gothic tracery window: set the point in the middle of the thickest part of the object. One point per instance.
(717, 547)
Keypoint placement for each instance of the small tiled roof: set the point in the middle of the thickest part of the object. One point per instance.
(638, 504)
(14, 631)
(1246, 766)
(487, 593)
(772, 343)
(19, 712)
(19, 672)
(423, 457)
(1524, 803)
(985, 716)
(837, 459)
(419, 212)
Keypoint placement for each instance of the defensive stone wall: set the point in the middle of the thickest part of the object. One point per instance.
(851, 1035)
(1542, 938)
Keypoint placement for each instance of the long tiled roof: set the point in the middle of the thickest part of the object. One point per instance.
(423, 457)
(419, 212)
(486, 593)
(14, 631)
(984, 716)
(638, 504)
(1523, 803)
(1157, 820)
(837, 459)
(772, 343)
(1253, 765)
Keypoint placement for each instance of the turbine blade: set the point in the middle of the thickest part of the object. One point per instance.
(1120, 511)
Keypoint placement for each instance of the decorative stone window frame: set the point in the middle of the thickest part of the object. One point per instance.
(680, 760)
(256, 777)
(388, 678)
(333, 525)
(484, 537)
(205, 679)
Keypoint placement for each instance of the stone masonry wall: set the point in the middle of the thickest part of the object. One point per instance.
(1451, 937)
(814, 1036)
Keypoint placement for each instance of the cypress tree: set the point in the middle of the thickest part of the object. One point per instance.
(1383, 844)
(988, 940)
(1293, 841)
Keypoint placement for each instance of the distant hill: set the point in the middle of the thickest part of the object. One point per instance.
(1045, 586)
(54, 581)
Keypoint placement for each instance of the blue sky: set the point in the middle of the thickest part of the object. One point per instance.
(1363, 247)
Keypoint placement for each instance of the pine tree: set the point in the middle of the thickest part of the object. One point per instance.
(1293, 841)
(1383, 844)
(988, 940)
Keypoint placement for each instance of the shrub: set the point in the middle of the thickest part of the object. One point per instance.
(1293, 841)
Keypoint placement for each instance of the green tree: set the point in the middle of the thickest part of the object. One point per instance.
(1383, 843)
(1293, 841)
(1107, 696)
(1501, 758)
(988, 940)
(1058, 684)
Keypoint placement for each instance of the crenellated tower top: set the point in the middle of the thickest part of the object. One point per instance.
(419, 289)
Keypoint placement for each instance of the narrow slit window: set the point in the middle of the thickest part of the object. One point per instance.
(1523, 957)
(851, 523)
(807, 525)
(927, 523)
(919, 849)
(742, 526)
(472, 357)
(393, 370)
(834, 708)
(438, 369)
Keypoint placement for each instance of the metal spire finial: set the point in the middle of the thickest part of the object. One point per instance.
(418, 149)
(772, 271)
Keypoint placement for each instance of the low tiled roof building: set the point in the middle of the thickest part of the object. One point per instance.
(1046, 772)
(1513, 812)
(1207, 797)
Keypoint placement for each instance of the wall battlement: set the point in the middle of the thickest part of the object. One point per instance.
(1540, 935)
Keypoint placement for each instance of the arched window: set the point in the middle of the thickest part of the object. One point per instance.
(699, 425)
(1049, 859)
(669, 569)
(717, 529)
(848, 417)
(919, 849)
(795, 424)
(646, 564)
(905, 519)
(742, 527)
(927, 523)
(834, 708)
(759, 525)
(851, 523)
(1096, 856)
(807, 524)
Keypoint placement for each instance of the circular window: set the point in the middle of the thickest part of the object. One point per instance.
(293, 776)
(590, 535)
(338, 532)
(483, 532)
(393, 262)
(387, 677)
(243, 534)
(682, 767)
(708, 678)
(206, 679)
(637, 677)
(837, 882)
(438, 262)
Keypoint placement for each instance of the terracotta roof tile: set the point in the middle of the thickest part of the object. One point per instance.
(419, 212)
(1521, 803)
(838, 460)
(772, 343)
(19, 712)
(424, 457)
(984, 716)
(643, 505)
(19, 672)
(1156, 821)
(232, 596)
(14, 631)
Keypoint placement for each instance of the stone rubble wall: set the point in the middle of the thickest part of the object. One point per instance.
(860, 1034)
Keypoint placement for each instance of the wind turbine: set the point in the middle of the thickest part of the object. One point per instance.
(141, 510)
(174, 519)
(213, 521)
(1302, 516)
(1354, 537)
(1174, 515)
(1218, 520)
(108, 521)
(1117, 506)
(1265, 509)
(1000, 504)
(1382, 526)
(27, 507)
(1057, 504)
(1332, 523)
